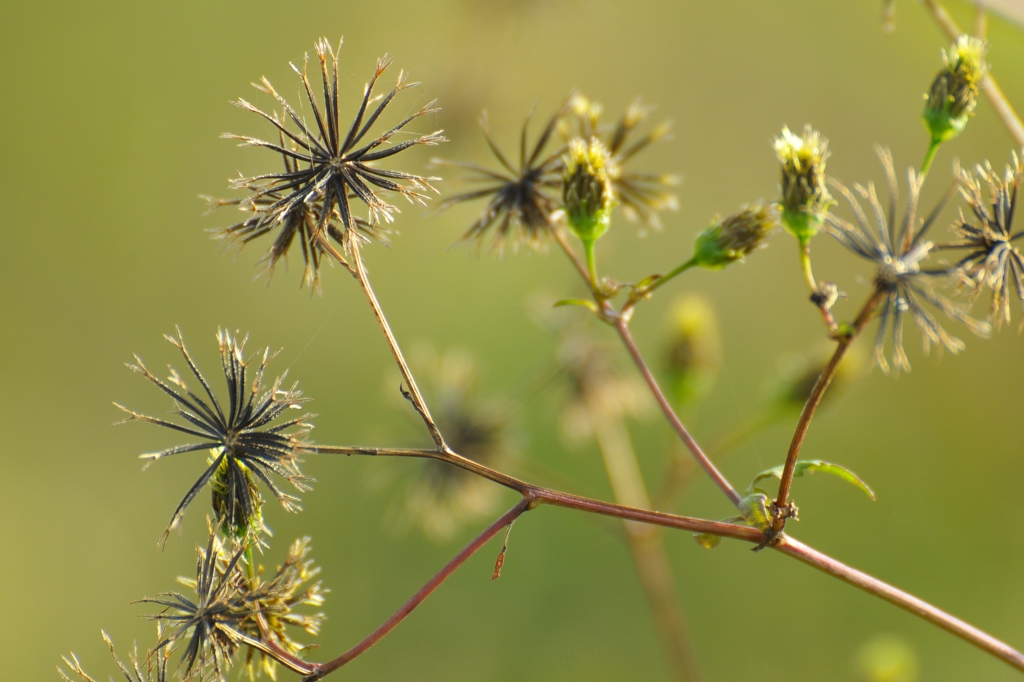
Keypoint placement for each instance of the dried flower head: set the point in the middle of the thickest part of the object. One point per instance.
(599, 388)
(153, 668)
(244, 442)
(797, 376)
(212, 624)
(275, 600)
(442, 498)
(693, 349)
(729, 240)
(950, 102)
(993, 260)
(805, 198)
(327, 165)
(586, 189)
(897, 250)
(642, 196)
(521, 198)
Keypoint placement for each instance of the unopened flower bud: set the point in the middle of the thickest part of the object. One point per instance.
(236, 498)
(731, 239)
(586, 190)
(805, 198)
(954, 92)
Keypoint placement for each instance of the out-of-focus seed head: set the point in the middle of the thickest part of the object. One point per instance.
(693, 352)
(586, 189)
(153, 668)
(729, 240)
(993, 259)
(950, 102)
(797, 375)
(805, 197)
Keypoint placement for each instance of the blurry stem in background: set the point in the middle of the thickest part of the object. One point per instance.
(645, 543)
(318, 671)
(817, 393)
(988, 84)
(623, 328)
(534, 496)
(413, 394)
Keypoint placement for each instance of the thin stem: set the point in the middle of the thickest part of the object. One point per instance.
(645, 544)
(805, 265)
(387, 626)
(666, 278)
(817, 393)
(673, 419)
(905, 601)
(588, 251)
(580, 266)
(414, 394)
(541, 495)
(534, 495)
(929, 156)
(988, 84)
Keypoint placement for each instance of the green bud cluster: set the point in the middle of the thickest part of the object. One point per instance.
(954, 93)
(729, 240)
(229, 502)
(587, 190)
(805, 198)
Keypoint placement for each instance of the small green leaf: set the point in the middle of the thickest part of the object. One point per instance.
(575, 301)
(755, 511)
(707, 540)
(811, 466)
(647, 281)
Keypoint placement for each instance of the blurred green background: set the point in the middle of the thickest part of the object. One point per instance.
(111, 119)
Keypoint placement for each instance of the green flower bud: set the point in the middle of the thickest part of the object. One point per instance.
(731, 239)
(586, 189)
(954, 92)
(805, 198)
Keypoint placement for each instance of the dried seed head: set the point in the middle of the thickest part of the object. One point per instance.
(586, 189)
(805, 198)
(954, 93)
(994, 258)
(694, 348)
(729, 240)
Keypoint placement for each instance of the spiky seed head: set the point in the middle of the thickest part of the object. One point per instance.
(950, 102)
(729, 240)
(694, 349)
(805, 198)
(227, 481)
(586, 189)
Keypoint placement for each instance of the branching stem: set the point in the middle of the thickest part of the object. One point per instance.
(817, 393)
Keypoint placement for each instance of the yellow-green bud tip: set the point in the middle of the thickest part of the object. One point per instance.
(954, 93)
(729, 240)
(587, 189)
(805, 198)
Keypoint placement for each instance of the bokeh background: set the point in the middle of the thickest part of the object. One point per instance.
(111, 117)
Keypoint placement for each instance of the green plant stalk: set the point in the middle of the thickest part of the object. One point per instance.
(804, 246)
(671, 274)
(646, 545)
(589, 252)
(929, 156)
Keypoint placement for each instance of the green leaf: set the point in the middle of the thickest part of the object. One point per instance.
(755, 511)
(575, 301)
(707, 540)
(646, 282)
(811, 466)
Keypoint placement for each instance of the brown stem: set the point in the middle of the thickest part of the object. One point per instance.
(414, 392)
(817, 393)
(907, 602)
(988, 84)
(581, 267)
(786, 545)
(387, 626)
(541, 495)
(645, 544)
(673, 419)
